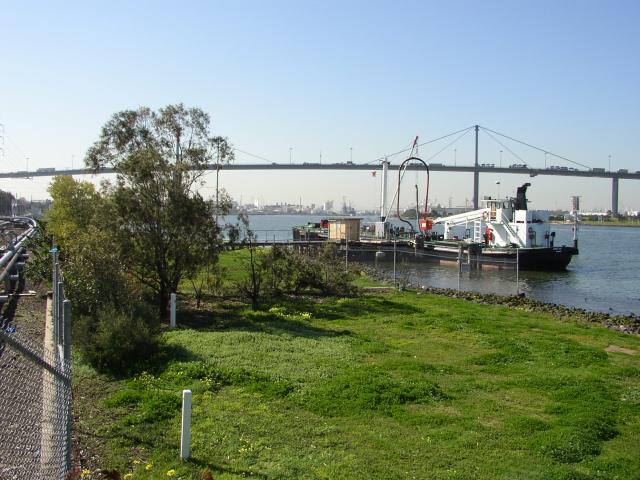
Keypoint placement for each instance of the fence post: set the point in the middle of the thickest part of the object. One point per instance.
(66, 365)
(172, 315)
(346, 245)
(518, 271)
(185, 434)
(395, 283)
(459, 266)
(54, 286)
(66, 332)
(59, 312)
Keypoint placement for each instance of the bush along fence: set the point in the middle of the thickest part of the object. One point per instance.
(35, 387)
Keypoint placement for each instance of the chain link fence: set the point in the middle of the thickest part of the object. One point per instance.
(35, 390)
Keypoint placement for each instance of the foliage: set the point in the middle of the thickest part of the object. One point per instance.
(277, 271)
(76, 206)
(6, 203)
(333, 278)
(112, 330)
(78, 223)
(165, 229)
(116, 341)
(215, 280)
(251, 286)
(94, 275)
(39, 266)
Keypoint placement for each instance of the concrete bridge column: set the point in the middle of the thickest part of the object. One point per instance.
(614, 195)
(476, 176)
(476, 181)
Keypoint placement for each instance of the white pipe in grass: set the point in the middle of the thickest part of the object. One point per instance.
(185, 434)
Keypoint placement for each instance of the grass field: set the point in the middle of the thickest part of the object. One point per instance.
(386, 386)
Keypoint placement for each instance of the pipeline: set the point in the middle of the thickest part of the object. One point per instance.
(16, 247)
(403, 166)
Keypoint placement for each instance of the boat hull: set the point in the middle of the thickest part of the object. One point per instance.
(550, 259)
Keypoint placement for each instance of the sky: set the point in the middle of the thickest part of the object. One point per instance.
(338, 79)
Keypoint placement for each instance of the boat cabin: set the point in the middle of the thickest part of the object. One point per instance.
(344, 228)
(509, 222)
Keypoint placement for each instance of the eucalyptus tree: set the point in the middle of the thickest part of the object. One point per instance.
(165, 228)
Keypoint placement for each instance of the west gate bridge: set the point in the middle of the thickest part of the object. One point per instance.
(575, 169)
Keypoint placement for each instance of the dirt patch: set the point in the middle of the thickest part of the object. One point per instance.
(616, 349)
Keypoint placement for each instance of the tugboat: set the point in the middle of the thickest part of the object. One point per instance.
(504, 231)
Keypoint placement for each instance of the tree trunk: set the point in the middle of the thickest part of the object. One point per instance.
(163, 302)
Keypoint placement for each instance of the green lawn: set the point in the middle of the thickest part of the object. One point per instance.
(391, 385)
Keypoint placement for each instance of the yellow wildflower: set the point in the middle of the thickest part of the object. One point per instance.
(171, 473)
(149, 466)
(85, 473)
(128, 476)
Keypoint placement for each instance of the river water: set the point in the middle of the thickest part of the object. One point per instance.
(604, 277)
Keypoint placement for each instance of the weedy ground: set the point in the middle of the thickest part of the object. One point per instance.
(387, 385)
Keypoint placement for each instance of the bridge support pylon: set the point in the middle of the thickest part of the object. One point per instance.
(476, 176)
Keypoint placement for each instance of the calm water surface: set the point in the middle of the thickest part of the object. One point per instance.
(604, 277)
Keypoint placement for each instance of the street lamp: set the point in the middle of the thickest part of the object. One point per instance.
(609, 162)
(351, 154)
(455, 156)
(498, 184)
(500, 160)
(290, 153)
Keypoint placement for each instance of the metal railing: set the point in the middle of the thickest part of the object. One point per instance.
(35, 377)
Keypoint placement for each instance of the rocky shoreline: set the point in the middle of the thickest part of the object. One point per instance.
(629, 324)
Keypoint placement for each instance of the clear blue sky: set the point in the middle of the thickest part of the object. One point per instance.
(330, 76)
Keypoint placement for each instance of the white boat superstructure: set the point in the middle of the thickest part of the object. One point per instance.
(502, 223)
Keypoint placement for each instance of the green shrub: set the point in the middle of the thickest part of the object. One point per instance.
(116, 342)
(287, 271)
(39, 267)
